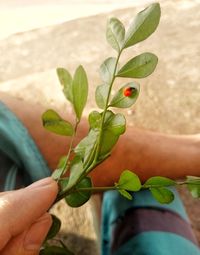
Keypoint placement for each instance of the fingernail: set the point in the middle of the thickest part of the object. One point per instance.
(41, 183)
(37, 233)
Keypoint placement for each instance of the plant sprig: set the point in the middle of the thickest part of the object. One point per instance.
(106, 126)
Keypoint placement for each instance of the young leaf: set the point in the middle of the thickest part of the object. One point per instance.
(62, 162)
(159, 181)
(76, 170)
(143, 25)
(57, 173)
(54, 123)
(66, 81)
(109, 115)
(86, 146)
(80, 91)
(162, 195)
(79, 198)
(101, 95)
(139, 67)
(94, 120)
(194, 190)
(194, 186)
(120, 99)
(107, 70)
(125, 194)
(115, 34)
(116, 123)
(114, 126)
(129, 181)
(55, 227)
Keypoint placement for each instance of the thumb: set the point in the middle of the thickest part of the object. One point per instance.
(20, 209)
(30, 241)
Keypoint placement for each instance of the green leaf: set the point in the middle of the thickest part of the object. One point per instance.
(114, 126)
(55, 227)
(80, 91)
(86, 146)
(129, 181)
(108, 142)
(107, 70)
(194, 186)
(95, 120)
(62, 162)
(159, 181)
(194, 190)
(63, 182)
(79, 198)
(143, 25)
(121, 101)
(108, 115)
(116, 123)
(101, 95)
(54, 123)
(115, 34)
(66, 81)
(55, 250)
(125, 194)
(139, 67)
(57, 173)
(76, 170)
(162, 195)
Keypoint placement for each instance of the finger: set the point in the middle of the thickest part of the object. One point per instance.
(19, 209)
(30, 241)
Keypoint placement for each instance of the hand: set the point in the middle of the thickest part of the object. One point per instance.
(24, 219)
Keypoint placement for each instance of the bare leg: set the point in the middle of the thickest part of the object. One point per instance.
(144, 152)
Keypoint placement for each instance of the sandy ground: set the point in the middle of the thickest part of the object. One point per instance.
(169, 100)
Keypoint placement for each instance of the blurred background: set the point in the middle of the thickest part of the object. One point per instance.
(22, 15)
(36, 37)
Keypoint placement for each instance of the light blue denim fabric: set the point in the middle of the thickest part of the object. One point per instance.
(23, 158)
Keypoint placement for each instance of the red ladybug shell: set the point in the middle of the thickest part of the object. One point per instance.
(127, 92)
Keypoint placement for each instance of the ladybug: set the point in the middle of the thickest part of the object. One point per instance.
(128, 91)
